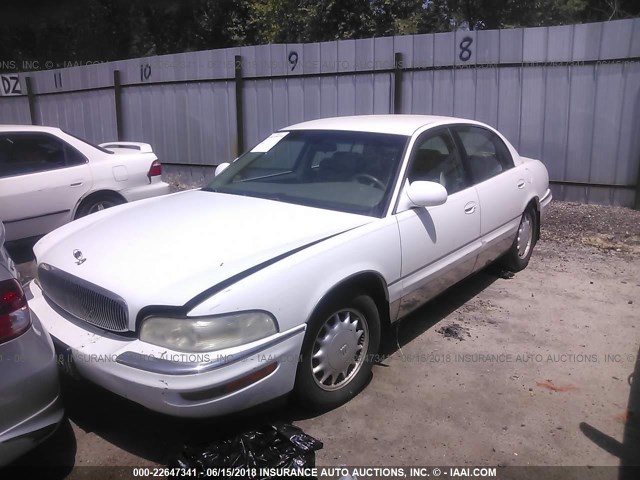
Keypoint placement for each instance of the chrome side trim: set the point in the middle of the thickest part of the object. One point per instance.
(437, 282)
(432, 262)
(394, 310)
(169, 367)
(496, 243)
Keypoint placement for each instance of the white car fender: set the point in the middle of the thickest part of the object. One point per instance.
(363, 249)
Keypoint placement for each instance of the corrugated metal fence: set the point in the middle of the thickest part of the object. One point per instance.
(569, 95)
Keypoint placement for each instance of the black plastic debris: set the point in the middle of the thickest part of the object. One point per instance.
(506, 274)
(454, 330)
(251, 454)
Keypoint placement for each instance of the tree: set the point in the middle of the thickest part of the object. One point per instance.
(104, 30)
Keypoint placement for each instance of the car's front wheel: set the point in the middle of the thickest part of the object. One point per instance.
(341, 339)
(517, 258)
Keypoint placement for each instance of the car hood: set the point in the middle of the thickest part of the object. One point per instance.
(166, 250)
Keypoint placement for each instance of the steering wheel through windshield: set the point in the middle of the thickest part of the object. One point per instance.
(367, 179)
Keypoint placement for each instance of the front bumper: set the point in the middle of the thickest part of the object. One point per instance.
(170, 382)
(153, 189)
(33, 431)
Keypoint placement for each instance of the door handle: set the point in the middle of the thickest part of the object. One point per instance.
(469, 208)
(76, 184)
(521, 183)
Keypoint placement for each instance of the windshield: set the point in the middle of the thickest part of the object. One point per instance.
(351, 172)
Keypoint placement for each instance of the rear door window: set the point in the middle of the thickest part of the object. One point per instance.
(486, 154)
(25, 153)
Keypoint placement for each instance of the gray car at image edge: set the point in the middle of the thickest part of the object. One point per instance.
(30, 402)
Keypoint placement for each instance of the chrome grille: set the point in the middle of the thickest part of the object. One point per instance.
(84, 300)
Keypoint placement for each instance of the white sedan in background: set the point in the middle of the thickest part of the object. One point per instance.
(285, 271)
(49, 177)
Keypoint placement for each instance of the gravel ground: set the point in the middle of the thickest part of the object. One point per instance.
(533, 369)
(614, 229)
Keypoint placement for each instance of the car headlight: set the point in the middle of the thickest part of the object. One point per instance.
(206, 334)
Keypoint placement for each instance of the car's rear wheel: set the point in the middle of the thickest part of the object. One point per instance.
(97, 203)
(341, 339)
(517, 258)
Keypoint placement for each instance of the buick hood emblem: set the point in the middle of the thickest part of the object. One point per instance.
(79, 257)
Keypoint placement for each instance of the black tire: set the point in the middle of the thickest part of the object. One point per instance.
(331, 318)
(517, 258)
(98, 202)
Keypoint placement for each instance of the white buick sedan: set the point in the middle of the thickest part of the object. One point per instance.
(283, 273)
(49, 177)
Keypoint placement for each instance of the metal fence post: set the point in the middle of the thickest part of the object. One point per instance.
(397, 83)
(117, 94)
(239, 109)
(31, 99)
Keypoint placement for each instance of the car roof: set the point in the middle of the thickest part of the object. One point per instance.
(28, 128)
(397, 124)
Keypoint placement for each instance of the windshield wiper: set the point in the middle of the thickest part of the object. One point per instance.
(269, 175)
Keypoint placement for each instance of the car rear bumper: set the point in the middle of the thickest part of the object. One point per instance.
(170, 382)
(154, 189)
(31, 405)
(31, 432)
(545, 201)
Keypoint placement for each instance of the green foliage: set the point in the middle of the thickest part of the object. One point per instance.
(103, 30)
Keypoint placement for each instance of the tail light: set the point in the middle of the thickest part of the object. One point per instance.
(155, 169)
(14, 311)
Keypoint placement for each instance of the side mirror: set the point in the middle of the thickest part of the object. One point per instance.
(221, 168)
(426, 194)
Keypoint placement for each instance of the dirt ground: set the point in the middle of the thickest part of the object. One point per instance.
(531, 370)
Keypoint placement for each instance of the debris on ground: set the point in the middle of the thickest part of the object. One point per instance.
(454, 330)
(549, 385)
(505, 274)
(623, 416)
(614, 229)
(179, 186)
(280, 446)
(627, 243)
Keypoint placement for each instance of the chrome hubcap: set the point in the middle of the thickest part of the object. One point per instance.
(525, 235)
(339, 349)
(101, 206)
